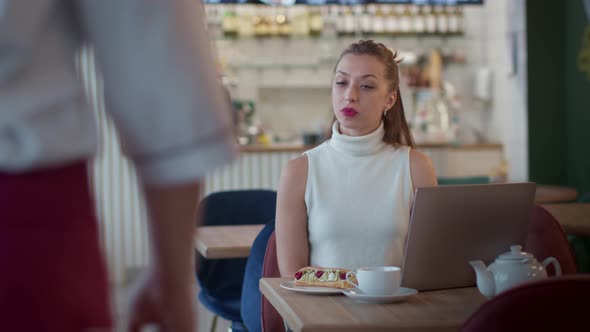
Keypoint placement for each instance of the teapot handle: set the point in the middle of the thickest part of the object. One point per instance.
(556, 265)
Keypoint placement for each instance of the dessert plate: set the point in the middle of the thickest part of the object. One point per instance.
(290, 285)
(401, 294)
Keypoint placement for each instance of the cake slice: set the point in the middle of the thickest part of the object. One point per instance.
(323, 277)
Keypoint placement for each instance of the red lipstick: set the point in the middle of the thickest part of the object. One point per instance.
(349, 112)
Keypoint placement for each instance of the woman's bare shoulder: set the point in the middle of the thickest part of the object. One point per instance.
(294, 175)
(296, 168)
(419, 157)
(422, 169)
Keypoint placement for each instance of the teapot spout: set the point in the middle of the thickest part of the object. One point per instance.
(484, 278)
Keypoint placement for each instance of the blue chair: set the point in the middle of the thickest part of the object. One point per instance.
(220, 280)
(251, 296)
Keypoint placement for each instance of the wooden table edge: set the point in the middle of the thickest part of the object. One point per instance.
(242, 252)
(267, 291)
(549, 194)
(297, 325)
(568, 229)
(201, 248)
(226, 252)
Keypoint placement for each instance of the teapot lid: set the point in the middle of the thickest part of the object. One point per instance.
(515, 253)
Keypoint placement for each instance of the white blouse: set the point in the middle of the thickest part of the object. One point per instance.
(359, 196)
(159, 78)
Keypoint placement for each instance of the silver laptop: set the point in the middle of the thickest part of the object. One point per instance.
(451, 225)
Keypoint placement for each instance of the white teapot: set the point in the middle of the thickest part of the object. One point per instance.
(511, 269)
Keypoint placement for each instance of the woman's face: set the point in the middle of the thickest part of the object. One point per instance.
(360, 94)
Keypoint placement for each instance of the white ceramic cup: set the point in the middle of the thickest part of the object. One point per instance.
(380, 280)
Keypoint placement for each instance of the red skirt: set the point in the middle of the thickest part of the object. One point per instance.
(52, 274)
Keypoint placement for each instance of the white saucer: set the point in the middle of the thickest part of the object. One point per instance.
(401, 294)
(290, 285)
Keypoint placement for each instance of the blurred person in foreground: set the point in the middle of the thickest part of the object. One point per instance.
(165, 98)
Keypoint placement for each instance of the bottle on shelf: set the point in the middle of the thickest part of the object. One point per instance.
(300, 22)
(455, 16)
(245, 21)
(436, 118)
(440, 120)
(338, 17)
(460, 19)
(406, 21)
(330, 18)
(365, 20)
(214, 21)
(379, 21)
(229, 22)
(442, 20)
(419, 19)
(357, 13)
(273, 26)
(349, 22)
(316, 22)
(435, 68)
(429, 19)
(261, 27)
(392, 21)
(285, 29)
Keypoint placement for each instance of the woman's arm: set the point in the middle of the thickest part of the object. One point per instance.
(291, 218)
(422, 170)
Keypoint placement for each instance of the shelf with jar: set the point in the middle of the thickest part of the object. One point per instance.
(371, 20)
(436, 103)
(412, 66)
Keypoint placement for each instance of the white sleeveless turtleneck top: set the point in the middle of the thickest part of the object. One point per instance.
(359, 195)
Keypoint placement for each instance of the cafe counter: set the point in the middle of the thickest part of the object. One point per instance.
(259, 166)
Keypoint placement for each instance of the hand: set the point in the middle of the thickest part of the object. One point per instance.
(168, 305)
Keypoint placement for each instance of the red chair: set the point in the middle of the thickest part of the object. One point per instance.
(546, 238)
(271, 320)
(552, 304)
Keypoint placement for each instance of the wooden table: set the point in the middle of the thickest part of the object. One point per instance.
(444, 310)
(555, 194)
(234, 241)
(574, 217)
